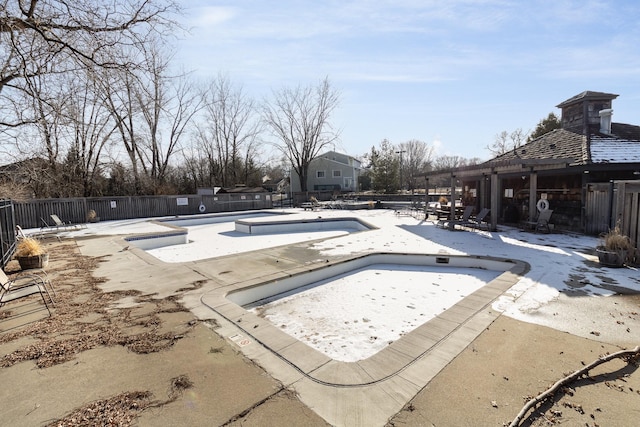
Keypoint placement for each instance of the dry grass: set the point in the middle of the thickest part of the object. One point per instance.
(29, 247)
(615, 240)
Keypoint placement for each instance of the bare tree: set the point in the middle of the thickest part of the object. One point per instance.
(299, 119)
(92, 129)
(44, 106)
(416, 159)
(44, 42)
(152, 111)
(167, 104)
(54, 36)
(70, 129)
(197, 167)
(230, 132)
(447, 162)
(505, 141)
(118, 93)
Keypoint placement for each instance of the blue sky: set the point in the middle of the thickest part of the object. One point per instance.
(451, 73)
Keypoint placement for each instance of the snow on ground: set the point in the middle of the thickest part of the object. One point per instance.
(209, 241)
(563, 289)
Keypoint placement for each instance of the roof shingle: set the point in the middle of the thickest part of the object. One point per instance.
(557, 144)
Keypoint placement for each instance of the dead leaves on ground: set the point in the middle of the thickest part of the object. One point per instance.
(122, 409)
(65, 334)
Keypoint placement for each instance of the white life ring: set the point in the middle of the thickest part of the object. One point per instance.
(542, 205)
(202, 208)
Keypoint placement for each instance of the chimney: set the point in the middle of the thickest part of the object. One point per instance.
(605, 120)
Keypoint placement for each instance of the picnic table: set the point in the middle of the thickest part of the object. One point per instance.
(445, 212)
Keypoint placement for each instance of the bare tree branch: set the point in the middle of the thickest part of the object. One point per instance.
(629, 355)
(299, 119)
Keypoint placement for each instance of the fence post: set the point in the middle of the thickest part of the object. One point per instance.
(8, 227)
(610, 207)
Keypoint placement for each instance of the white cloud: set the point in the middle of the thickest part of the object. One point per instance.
(437, 146)
(209, 16)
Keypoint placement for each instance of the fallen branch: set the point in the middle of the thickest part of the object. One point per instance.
(623, 354)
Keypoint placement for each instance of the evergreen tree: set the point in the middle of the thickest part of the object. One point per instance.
(551, 122)
(385, 165)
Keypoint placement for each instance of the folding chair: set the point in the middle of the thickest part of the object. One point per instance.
(480, 220)
(451, 225)
(59, 223)
(542, 223)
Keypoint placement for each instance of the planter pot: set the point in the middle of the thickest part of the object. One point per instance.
(36, 261)
(611, 258)
(94, 219)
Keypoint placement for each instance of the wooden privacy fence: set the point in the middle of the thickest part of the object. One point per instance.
(599, 208)
(626, 210)
(35, 213)
(611, 204)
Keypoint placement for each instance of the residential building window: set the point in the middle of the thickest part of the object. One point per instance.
(337, 174)
(319, 174)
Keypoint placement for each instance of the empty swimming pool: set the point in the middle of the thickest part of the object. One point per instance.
(215, 236)
(353, 310)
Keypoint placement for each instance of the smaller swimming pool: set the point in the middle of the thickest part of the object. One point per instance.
(219, 218)
(273, 226)
(148, 242)
(212, 236)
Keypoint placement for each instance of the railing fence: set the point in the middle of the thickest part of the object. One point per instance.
(8, 234)
(37, 213)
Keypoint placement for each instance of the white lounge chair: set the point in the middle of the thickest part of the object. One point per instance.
(22, 287)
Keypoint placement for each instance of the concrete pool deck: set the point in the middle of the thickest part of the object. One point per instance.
(364, 393)
(368, 392)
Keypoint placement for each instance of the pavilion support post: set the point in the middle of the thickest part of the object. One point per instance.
(533, 191)
(426, 198)
(452, 213)
(483, 196)
(495, 198)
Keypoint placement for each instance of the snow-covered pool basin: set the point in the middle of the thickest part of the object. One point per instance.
(154, 241)
(352, 310)
(210, 236)
(277, 225)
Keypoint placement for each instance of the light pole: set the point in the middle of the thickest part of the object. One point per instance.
(291, 187)
(400, 152)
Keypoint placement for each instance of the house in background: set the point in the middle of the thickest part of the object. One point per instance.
(567, 167)
(330, 171)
